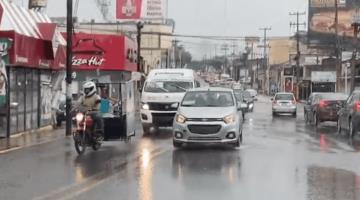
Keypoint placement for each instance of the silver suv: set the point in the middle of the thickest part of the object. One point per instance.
(208, 115)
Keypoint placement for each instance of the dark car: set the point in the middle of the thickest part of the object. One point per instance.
(349, 115)
(322, 107)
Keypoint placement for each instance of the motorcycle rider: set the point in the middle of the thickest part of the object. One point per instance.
(91, 101)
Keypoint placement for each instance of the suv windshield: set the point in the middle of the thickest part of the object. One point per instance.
(208, 99)
(284, 97)
(167, 86)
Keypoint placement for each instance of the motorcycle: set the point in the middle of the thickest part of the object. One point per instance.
(83, 134)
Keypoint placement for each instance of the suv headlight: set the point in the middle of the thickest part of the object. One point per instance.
(145, 106)
(180, 119)
(174, 105)
(229, 119)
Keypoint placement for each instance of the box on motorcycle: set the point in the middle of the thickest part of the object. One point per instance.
(115, 128)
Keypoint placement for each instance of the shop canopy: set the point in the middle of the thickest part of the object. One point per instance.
(31, 34)
(103, 52)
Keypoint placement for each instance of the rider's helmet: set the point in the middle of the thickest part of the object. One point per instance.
(89, 89)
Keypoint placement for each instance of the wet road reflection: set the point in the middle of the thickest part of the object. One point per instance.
(332, 184)
(196, 166)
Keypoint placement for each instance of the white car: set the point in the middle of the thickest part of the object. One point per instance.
(284, 103)
(208, 115)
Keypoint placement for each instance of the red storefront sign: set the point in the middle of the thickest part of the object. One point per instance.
(103, 52)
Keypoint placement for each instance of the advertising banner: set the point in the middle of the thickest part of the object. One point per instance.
(128, 9)
(141, 9)
(154, 9)
(322, 21)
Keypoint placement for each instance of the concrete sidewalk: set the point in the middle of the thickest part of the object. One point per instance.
(32, 138)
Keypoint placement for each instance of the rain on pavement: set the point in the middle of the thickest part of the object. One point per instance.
(281, 158)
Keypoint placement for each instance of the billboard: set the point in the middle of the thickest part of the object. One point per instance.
(321, 23)
(141, 9)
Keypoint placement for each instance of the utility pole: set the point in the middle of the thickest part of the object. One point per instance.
(175, 43)
(69, 33)
(337, 48)
(298, 52)
(356, 26)
(266, 67)
(225, 48)
(139, 27)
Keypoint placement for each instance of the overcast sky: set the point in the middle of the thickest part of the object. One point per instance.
(209, 17)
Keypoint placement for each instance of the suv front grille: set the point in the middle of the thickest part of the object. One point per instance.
(204, 129)
(161, 107)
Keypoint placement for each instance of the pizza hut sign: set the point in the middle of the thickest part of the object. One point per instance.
(92, 61)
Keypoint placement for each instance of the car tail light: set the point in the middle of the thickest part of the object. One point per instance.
(357, 106)
(323, 103)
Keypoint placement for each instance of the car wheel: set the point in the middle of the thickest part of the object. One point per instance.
(146, 130)
(294, 114)
(177, 144)
(58, 123)
(339, 129)
(306, 118)
(274, 114)
(351, 130)
(316, 119)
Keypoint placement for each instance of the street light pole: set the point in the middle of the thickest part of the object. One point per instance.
(69, 30)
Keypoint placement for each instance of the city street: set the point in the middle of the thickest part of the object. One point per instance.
(281, 158)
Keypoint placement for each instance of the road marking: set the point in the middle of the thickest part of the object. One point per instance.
(76, 189)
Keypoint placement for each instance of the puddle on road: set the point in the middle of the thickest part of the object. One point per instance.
(332, 184)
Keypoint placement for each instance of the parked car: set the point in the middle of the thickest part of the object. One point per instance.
(323, 107)
(284, 103)
(208, 115)
(349, 115)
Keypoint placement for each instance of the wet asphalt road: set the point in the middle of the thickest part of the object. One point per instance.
(281, 158)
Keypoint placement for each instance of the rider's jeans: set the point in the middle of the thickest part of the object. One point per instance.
(98, 121)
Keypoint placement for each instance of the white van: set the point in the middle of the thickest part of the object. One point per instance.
(163, 90)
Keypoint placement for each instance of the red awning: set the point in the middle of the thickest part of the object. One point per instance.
(103, 52)
(60, 58)
(28, 51)
(31, 32)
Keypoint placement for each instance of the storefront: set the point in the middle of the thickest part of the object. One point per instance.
(103, 58)
(27, 53)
